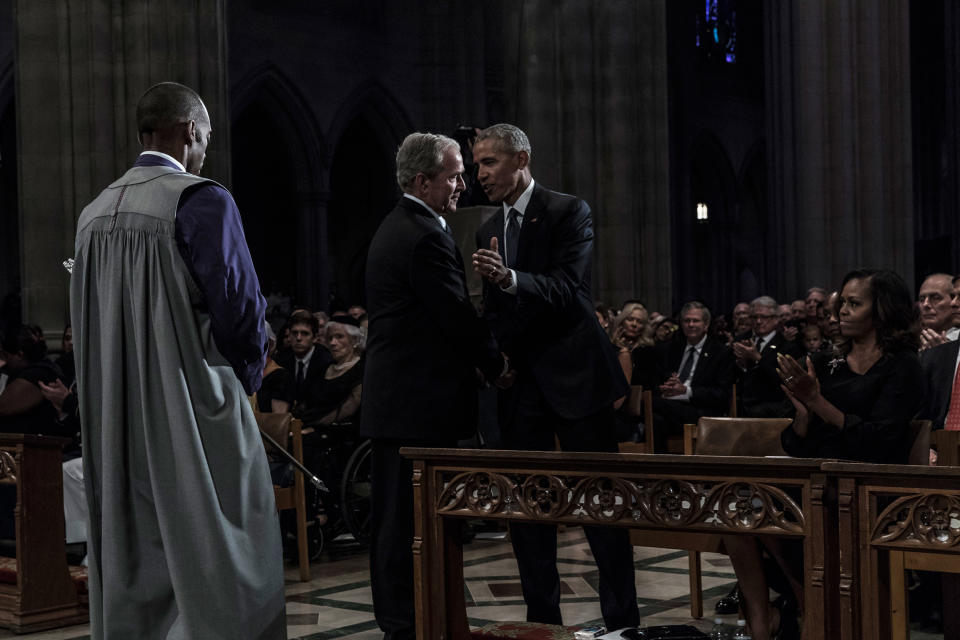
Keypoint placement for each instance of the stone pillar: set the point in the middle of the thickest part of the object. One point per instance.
(838, 130)
(80, 68)
(588, 83)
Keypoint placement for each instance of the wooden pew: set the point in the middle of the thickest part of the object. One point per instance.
(698, 494)
(44, 596)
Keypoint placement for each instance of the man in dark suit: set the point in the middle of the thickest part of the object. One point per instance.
(758, 387)
(697, 375)
(534, 256)
(939, 370)
(424, 347)
(306, 360)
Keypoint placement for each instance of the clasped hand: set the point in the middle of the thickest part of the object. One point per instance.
(488, 264)
(673, 387)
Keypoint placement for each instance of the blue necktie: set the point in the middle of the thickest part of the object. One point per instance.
(687, 364)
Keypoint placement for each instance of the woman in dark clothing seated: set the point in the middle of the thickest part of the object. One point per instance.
(853, 403)
(336, 396)
(276, 390)
(23, 409)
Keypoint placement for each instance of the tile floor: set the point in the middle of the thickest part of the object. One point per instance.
(336, 603)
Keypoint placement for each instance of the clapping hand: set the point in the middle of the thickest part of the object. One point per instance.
(56, 392)
(930, 338)
(798, 383)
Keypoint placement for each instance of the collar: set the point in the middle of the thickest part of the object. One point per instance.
(521, 204)
(306, 359)
(443, 223)
(165, 157)
(699, 346)
(768, 337)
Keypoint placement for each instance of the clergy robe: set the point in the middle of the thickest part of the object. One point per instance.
(167, 318)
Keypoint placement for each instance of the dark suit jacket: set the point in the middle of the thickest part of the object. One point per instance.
(938, 364)
(549, 328)
(712, 379)
(759, 385)
(318, 364)
(424, 338)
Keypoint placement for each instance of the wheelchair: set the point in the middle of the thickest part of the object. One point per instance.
(341, 458)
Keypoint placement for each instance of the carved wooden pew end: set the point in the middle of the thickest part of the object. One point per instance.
(37, 590)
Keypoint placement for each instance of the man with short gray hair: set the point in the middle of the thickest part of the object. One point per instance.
(425, 344)
(758, 387)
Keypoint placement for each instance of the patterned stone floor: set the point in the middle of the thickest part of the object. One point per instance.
(336, 603)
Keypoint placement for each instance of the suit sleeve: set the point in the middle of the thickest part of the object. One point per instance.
(556, 286)
(438, 280)
(211, 241)
(715, 393)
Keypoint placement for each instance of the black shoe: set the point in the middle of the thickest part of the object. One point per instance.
(730, 603)
(789, 625)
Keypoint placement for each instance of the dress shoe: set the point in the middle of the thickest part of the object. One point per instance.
(789, 625)
(730, 603)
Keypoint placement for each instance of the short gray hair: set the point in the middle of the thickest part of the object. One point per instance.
(421, 153)
(359, 335)
(764, 301)
(511, 139)
(693, 304)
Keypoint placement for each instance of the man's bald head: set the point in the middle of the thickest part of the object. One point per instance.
(166, 105)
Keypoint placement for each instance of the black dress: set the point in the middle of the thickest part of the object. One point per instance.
(277, 385)
(877, 406)
(42, 419)
(325, 396)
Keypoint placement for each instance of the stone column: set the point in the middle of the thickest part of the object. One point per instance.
(838, 130)
(588, 82)
(80, 68)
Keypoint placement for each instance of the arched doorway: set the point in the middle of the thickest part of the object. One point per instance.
(278, 174)
(363, 190)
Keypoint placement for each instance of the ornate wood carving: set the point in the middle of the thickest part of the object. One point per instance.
(9, 467)
(923, 520)
(603, 500)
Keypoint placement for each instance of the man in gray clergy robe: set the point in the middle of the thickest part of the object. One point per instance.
(168, 332)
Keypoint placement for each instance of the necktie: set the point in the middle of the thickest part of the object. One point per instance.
(512, 236)
(300, 371)
(952, 421)
(759, 341)
(687, 364)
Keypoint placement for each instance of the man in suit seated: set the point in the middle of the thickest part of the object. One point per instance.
(758, 387)
(935, 301)
(697, 375)
(306, 361)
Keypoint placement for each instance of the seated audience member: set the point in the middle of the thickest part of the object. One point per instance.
(935, 301)
(720, 329)
(813, 303)
(830, 321)
(276, 392)
(664, 329)
(64, 400)
(334, 395)
(786, 325)
(953, 332)
(760, 395)
(697, 375)
(741, 319)
(854, 403)
(812, 339)
(322, 320)
(630, 325)
(799, 309)
(632, 336)
(23, 409)
(602, 316)
(65, 361)
(356, 312)
(306, 360)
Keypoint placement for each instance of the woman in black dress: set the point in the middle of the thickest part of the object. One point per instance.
(853, 403)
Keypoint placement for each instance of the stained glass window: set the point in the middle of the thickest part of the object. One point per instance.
(716, 33)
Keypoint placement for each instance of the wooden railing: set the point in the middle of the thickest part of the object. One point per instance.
(776, 497)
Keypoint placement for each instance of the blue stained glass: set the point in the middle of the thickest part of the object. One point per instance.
(716, 30)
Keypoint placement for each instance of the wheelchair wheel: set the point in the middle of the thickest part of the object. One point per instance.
(355, 493)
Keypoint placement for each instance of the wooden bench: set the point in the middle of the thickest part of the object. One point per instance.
(695, 494)
(43, 595)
